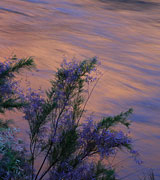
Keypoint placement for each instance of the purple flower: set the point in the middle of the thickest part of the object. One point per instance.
(34, 104)
(84, 171)
(102, 141)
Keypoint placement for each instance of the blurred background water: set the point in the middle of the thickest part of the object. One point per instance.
(123, 34)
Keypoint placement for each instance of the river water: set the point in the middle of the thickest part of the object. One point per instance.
(123, 34)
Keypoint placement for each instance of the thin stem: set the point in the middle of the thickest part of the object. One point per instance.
(51, 143)
(114, 165)
(48, 169)
(130, 174)
(113, 158)
(44, 160)
(32, 159)
(88, 99)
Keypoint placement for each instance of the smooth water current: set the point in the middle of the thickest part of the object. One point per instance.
(123, 34)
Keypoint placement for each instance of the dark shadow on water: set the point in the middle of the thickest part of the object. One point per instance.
(36, 1)
(134, 5)
(13, 11)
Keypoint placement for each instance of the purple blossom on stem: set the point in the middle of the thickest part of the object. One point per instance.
(105, 142)
(34, 103)
(84, 171)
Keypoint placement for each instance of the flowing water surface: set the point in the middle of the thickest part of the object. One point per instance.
(123, 34)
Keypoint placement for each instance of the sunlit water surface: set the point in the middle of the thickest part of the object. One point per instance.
(124, 35)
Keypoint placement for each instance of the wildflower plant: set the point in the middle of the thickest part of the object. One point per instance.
(59, 136)
(64, 144)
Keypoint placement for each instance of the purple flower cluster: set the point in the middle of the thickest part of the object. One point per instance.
(84, 171)
(8, 139)
(5, 66)
(73, 70)
(6, 84)
(105, 142)
(34, 102)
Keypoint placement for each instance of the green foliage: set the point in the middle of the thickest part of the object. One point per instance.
(13, 162)
(108, 122)
(68, 143)
(64, 148)
(8, 95)
(5, 123)
(14, 165)
(16, 65)
(101, 173)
